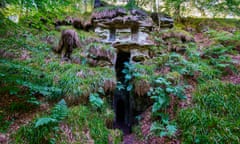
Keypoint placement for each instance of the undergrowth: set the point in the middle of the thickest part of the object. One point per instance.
(29, 69)
(88, 124)
(43, 129)
(214, 116)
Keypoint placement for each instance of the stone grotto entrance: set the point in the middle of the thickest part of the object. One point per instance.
(121, 100)
(122, 57)
(128, 32)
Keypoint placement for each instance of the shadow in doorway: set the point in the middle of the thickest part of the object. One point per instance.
(121, 102)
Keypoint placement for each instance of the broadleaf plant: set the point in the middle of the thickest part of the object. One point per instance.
(161, 96)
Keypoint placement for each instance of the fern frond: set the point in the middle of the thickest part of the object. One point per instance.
(60, 110)
(44, 121)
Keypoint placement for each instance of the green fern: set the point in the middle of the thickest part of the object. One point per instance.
(95, 100)
(60, 111)
(44, 121)
(44, 128)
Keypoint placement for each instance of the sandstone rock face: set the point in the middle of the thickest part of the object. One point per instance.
(125, 31)
(103, 33)
(138, 55)
(97, 55)
(123, 34)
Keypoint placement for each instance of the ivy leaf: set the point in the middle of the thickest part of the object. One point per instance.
(163, 133)
(172, 129)
(125, 71)
(161, 100)
(95, 100)
(161, 80)
(137, 74)
(129, 88)
(127, 64)
(101, 90)
(169, 90)
(128, 77)
(120, 87)
(156, 107)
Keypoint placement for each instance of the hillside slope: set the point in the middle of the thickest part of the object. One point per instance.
(192, 75)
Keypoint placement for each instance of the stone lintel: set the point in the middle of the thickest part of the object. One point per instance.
(127, 46)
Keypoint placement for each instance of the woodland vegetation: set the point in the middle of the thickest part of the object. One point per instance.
(192, 78)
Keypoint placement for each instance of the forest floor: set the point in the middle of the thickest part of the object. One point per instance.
(34, 80)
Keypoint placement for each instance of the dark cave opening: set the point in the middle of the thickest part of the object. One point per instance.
(121, 99)
(120, 111)
(122, 57)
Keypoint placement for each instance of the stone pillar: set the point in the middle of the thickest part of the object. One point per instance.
(134, 35)
(112, 36)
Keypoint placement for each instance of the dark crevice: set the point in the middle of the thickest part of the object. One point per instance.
(112, 36)
(122, 97)
(120, 113)
(122, 57)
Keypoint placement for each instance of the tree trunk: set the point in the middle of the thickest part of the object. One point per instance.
(85, 5)
(177, 13)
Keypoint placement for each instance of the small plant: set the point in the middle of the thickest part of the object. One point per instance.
(164, 127)
(43, 129)
(160, 95)
(120, 86)
(178, 63)
(130, 73)
(95, 100)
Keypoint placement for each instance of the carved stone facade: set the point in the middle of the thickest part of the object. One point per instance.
(129, 33)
